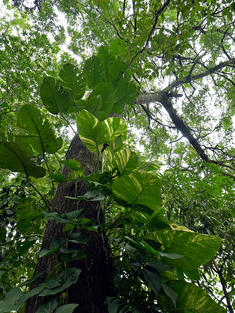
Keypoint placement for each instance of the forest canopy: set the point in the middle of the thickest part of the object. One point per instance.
(117, 156)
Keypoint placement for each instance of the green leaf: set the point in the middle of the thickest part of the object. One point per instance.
(95, 133)
(27, 211)
(100, 101)
(102, 68)
(45, 252)
(125, 161)
(140, 189)
(170, 293)
(47, 307)
(66, 308)
(93, 71)
(73, 81)
(59, 178)
(193, 274)
(30, 294)
(114, 304)
(149, 249)
(125, 94)
(10, 303)
(152, 278)
(54, 96)
(15, 159)
(117, 127)
(92, 132)
(63, 281)
(13, 295)
(72, 164)
(30, 119)
(197, 249)
(191, 299)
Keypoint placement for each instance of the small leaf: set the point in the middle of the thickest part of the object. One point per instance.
(13, 295)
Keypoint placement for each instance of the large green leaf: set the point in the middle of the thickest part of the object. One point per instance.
(47, 307)
(125, 161)
(92, 132)
(67, 308)
(95, 133)
(73, 81)
(30, 119)
(190, 298)
(125, 94)
(197, 249)
(117, 127)
(140, 189)
(102, 68)
(152, 278)
(54, 96)
(11, 301)
(63, 281)
(100, 101)
(15, 159)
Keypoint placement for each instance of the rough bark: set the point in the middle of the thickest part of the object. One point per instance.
(95, 282)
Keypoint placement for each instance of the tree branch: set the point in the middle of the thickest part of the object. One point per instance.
(163, 98)
(180, 82)
(223, 284)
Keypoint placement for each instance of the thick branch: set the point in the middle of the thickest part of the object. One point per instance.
(182, 127)
(163, 98)
(180, 82)
(224, 287)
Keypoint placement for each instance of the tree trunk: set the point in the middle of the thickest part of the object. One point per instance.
(95, 282)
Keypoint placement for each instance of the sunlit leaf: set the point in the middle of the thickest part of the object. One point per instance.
(139, 188)
(125, 161)
(190, 298)
(197, 249)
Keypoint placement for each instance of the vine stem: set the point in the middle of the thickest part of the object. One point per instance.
(39, 193)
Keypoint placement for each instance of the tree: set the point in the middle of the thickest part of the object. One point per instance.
(110, 241)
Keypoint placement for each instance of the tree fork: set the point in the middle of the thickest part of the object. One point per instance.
(96, 280)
